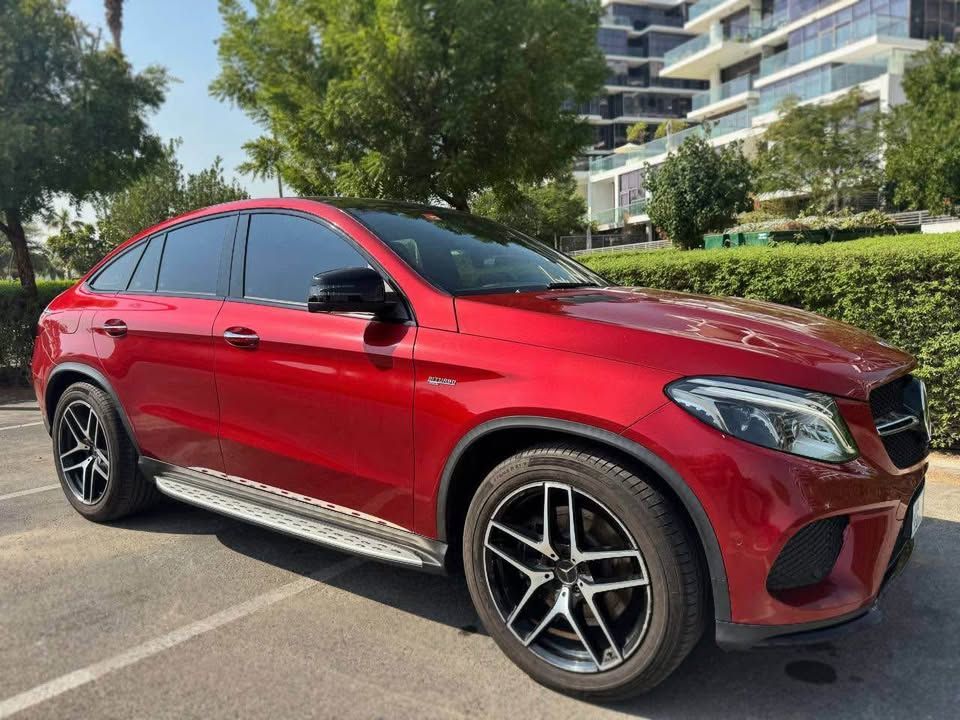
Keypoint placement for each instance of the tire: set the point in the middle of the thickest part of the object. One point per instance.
(668, 610)
(110, 486)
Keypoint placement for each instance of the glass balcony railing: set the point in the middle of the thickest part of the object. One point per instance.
(617, 215)
(703, 6)
(718, 33)
(606, 217)
(822, 82)
(616, 21)
(861, 29)
(728, 89)
(777, 20)
(730, 123)
(740, 120)
(672, 57)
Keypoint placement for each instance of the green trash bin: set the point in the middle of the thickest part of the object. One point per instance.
(756, 238)
(713, 241)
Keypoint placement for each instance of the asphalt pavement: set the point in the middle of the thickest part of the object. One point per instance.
(181, 613)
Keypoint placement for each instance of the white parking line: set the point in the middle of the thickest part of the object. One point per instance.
(75, 679)
(17, 427)
(31, 491)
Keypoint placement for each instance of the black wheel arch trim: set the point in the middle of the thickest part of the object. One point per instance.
(99, 379)
(691, 503)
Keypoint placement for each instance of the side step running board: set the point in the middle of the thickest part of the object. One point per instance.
(298, 519)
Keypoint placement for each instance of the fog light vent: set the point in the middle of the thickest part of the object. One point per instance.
(809, 556)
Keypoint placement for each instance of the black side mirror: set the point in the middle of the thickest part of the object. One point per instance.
(355, 289)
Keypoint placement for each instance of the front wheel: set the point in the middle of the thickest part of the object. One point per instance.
(583, 573)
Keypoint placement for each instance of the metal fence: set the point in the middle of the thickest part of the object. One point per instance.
(653, 245)
(573, 243)
(920, 217)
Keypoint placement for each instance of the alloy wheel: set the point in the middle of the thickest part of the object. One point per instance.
(83, 452)
(567, 578)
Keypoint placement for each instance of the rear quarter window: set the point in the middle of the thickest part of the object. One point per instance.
(116, 274)
(190, 262)
(145, 276)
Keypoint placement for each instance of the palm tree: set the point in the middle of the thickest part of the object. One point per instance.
(266, 156)
(40, 257)
(114, 10)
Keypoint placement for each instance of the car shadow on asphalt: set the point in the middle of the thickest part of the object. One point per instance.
(906, 666)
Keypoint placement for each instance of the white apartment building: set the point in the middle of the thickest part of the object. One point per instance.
(754, 54)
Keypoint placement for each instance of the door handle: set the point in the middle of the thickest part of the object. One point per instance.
(241, 337)
(114, 327)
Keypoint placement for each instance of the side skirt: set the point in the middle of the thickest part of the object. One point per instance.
(320, 525)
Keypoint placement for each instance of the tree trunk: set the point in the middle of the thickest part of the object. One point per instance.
(114, 11)
(279, 183)
(459, 202)
(21, 254)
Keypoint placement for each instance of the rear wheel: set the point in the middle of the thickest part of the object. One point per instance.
(95, 458)
(582, 572)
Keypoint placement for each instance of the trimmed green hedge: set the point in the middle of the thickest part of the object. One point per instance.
(904, 289)
(17, 321)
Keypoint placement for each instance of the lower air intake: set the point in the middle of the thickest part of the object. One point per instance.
(809, 556)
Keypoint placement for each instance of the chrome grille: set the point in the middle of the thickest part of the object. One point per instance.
(900, 415)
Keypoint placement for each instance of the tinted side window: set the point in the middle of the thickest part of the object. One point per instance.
(284, 252)
(145, 276)
(117, 273)
(191, 257)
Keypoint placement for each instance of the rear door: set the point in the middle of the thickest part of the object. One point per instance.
(155, 344)
(317, 405)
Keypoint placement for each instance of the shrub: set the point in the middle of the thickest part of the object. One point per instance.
(904, 289)
(698, 189)
(757, 222)
(18, 317)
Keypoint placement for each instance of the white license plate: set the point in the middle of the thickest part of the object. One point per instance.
(917, 514)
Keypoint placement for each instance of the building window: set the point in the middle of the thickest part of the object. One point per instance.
(631, 188)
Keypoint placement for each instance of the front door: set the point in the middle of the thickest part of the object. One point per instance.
(316, 405)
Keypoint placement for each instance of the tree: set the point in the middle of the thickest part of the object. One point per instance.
(160, 194)
(77, 247)
(72, 118)
(697, 189)
(923, 134)
(544, 211)
(266, 156)
(637, 132)
(831, 152)
(413, 100)
(40, 259)
(669, 127)
(114, 12)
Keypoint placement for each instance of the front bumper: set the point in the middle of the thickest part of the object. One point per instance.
(758, 499)
(734, 636)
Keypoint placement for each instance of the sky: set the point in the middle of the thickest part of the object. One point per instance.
(181, 35)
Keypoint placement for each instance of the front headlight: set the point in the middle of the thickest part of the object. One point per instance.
(782, 418)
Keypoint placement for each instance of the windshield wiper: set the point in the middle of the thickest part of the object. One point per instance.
(568, 285)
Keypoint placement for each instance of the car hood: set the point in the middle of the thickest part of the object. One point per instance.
(691, 335)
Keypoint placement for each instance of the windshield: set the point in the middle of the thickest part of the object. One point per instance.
(467, 255)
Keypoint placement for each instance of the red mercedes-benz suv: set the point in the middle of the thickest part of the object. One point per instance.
(619, 469)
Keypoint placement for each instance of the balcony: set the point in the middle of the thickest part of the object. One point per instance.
(704, 13)
(732, 123)
(699, 58)
(643, 152)
(723, 97)
(823, 82)
(845, 36)
(629, 54)
(618, 216)
(618, 22)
